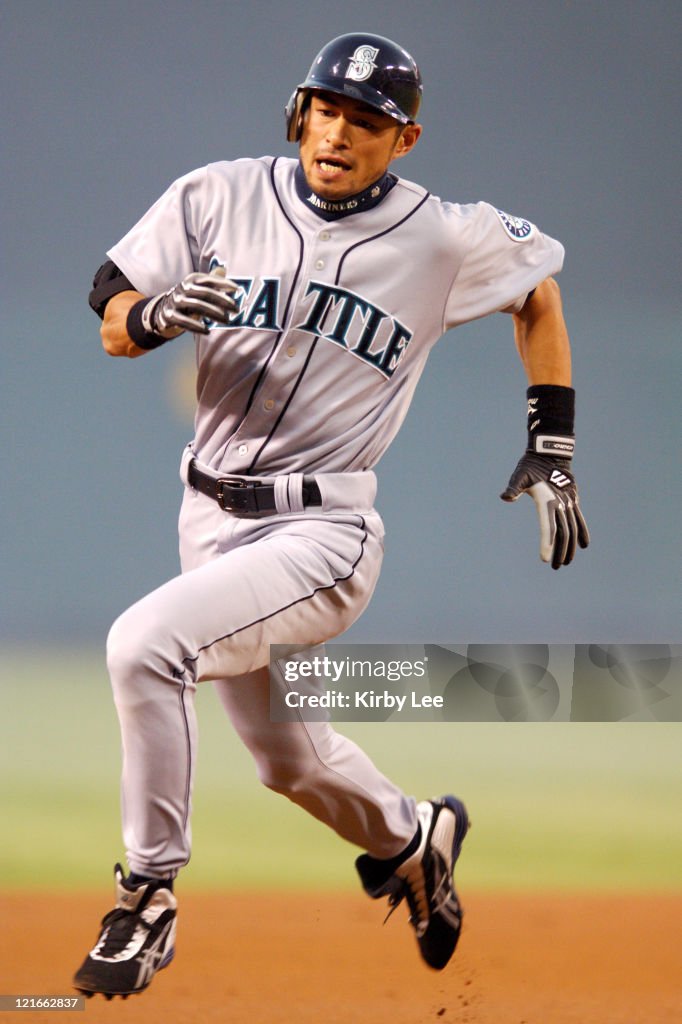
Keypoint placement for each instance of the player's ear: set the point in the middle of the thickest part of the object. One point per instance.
(407, 140)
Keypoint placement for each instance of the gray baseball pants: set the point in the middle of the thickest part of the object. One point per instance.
(296, 577)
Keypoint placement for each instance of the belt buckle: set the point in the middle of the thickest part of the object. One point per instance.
(237, 502)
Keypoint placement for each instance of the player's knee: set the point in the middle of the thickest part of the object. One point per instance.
(283, 776)
(130, 657)
(122, 653)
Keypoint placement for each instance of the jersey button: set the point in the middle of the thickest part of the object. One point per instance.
(268, 404)
(291, 351)
(243, 449)
(319, 264)
(325, 236)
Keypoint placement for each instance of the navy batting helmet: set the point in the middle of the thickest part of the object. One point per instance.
(364, 67)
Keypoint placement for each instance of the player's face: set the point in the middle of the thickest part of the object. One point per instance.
(346, 145)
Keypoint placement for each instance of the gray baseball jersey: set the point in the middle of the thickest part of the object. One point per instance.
(314, 375)
(336, 320)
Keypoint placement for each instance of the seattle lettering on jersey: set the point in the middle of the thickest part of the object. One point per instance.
(362, 328)
(261, 311)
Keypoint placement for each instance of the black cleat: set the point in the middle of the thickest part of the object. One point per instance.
(136, 940)
(425, 879)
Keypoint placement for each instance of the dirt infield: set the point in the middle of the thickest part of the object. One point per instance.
(326, 959)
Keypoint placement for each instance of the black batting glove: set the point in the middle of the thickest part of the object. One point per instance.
(544, 472)
(551, 485)
(197, 298)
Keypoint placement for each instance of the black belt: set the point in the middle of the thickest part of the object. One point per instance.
(243, 496)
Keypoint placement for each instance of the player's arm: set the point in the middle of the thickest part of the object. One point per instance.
(542, 338)
(544, 471)
(133, 324)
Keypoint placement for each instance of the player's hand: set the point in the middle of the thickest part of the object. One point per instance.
(185, 307)
(552, 487)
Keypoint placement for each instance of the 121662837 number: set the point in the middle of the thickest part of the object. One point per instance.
(41, 1002)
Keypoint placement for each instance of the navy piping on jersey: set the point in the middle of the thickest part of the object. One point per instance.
(355, 245)
(278, 337)
(285, 406)
(285, 319)
(380, 234)
(258, 454)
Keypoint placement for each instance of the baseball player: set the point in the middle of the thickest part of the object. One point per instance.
(315, 289)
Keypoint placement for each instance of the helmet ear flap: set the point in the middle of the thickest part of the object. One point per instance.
(294, 114)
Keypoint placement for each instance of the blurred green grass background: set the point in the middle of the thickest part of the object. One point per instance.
(561, 806)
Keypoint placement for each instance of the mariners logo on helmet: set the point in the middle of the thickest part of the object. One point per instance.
(362, 63)
(368, 68)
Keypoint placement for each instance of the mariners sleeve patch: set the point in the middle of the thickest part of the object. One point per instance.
(516, 227)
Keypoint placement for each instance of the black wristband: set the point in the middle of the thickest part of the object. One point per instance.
(551, 419)
(137, 333)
